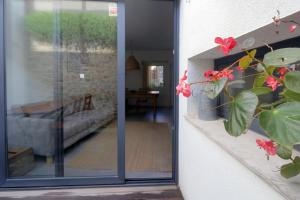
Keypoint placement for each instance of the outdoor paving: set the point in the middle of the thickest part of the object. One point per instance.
(124, 193)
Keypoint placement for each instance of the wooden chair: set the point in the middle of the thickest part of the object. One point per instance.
(87, 105)
(141, 101)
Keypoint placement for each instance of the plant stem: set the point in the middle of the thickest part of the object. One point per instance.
(224, 104)
(257, 114)
(250, 75)
(226, 92)
(230, 66)
(206, 81)
(198, 82)
(257, 60)
(272, 104)
(290, 21)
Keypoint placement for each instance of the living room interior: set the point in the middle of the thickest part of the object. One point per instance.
(62, 92)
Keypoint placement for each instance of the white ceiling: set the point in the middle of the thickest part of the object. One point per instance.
(149, 25)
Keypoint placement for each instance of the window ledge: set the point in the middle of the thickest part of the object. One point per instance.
(245, 150)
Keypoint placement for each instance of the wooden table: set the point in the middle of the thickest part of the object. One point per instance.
(152, 95)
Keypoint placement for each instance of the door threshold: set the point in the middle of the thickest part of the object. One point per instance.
(99, 193)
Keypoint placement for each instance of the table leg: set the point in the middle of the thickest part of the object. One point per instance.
(154, 105)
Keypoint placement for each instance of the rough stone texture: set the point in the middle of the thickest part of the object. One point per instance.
(100, 71)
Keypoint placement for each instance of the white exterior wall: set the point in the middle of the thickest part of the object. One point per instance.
(205, 170)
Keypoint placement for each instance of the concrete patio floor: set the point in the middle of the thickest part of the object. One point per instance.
(114, 193)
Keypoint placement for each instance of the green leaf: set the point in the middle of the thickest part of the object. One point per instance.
(261, 90)
(292, 81)
(259, 67)
(284, 152)
(213, 89)
(241, 112)
(297, 160)
(282, 123)
(252, 53)
(270, 69)
(282, 57)
(291, 96)
(246, 60)
(259, 80)
(290, 170)
(236, 82)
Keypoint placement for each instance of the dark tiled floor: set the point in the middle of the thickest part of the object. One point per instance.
(163, 115)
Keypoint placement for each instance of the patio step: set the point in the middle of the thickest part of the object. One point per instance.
(113, 193)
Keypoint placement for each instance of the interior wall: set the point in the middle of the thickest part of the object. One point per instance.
(205, 170)
(134, 78)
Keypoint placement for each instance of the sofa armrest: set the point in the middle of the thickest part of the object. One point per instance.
(35, 133)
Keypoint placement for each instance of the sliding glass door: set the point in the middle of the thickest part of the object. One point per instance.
(64, 62)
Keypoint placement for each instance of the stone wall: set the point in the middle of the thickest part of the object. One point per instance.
(100, 75)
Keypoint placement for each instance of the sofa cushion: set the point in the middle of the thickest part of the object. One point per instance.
(76, 123)
(101, 115)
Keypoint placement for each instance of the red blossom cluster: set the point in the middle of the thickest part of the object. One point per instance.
(268, 146)
(216, 75)
(282, 72)
(183, 87)
(272, 82)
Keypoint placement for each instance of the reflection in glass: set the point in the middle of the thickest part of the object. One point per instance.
(61, 62)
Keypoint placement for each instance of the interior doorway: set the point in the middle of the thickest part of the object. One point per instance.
(149, 82)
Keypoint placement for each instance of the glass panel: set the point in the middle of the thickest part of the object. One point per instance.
(61, 61)
(148, 126)
(90, 88)
(30, 84)
(149, 89)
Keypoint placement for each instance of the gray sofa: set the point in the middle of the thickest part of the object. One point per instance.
(38, 130)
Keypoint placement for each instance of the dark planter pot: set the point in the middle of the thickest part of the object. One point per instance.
(207, 108)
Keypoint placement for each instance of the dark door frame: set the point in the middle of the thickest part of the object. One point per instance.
(90, 181)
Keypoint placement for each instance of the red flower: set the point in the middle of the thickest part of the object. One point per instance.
(211, 75)
(184, 77)
(216, 75)
(227, 73)
(226, 44)
(268, 146)
(183, 87)
(293, 28)
(272, 83)
(282, 71)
